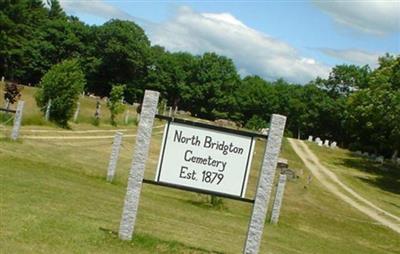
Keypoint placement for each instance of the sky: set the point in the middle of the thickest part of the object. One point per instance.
(294, 40)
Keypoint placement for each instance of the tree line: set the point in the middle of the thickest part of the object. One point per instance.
(356, 106)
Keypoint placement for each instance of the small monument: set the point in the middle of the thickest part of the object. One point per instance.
(310, 138)
(326, 143)
(333, 145)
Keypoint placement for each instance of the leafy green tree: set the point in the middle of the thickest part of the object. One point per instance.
(114, 102)
(215, 83)
(123, 53)
(62, 84)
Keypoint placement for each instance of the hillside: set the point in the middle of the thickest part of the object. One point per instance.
(54, 198)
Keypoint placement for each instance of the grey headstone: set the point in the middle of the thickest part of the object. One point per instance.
(170, 112)
(380, 159)
(17, 120)
(265, 181)
(365, 154)
(276, 209)
(136, 173)
(116, 147)
(310, 138)
(78, 108)
(48, 108)
(358, 152)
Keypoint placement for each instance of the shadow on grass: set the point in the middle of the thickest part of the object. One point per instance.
(387, 175)
(157, 245)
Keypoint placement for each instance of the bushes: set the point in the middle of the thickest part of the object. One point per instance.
(62, 84)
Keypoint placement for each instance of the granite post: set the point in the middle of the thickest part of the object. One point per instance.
(140, 154)
(17, 120)
(127, 116)
(116, 147)
(47, 115)
(276, 209)
(76, 114)
(265, 181)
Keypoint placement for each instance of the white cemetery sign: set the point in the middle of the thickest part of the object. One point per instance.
(205, 159)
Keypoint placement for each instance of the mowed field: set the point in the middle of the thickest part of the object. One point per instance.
(54, 198)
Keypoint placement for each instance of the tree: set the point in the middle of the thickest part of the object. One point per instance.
(123, 51)
(114, 102)
(215, 83)
(63, 84)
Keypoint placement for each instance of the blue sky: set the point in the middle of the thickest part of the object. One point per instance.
(296, 40)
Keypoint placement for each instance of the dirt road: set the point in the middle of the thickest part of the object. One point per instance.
(338, 188)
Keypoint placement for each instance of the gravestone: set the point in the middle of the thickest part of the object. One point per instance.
(140, 154)
(17, 120)
(317, 140)
(78, 108)
(326, 143)
(358, 152)
(170, 112)
(2, 78)
(278, 199)
(365, 154)
(265, 182)
(379, 159)
(116, 147)
(310, 138)
(333, 144)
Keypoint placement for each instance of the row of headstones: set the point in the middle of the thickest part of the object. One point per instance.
(319, 142)
(374, 157)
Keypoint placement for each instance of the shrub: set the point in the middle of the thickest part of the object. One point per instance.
(63, 84)
(114, 103)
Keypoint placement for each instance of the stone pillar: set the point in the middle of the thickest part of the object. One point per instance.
(127, 116)
(47, 115)
(140, 154)
(17, 120)
(116, 147)
(276, 209)
(78, 108)
(265, 181)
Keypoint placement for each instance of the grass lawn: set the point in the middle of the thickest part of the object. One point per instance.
(54, 199)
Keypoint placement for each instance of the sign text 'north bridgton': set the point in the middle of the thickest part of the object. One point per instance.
(205, 159)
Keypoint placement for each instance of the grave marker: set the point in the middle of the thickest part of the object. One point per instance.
(78, 108)
(47, 115)
(310, 138)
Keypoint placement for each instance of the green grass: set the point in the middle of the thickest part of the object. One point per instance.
(379, 183)
(54, 199)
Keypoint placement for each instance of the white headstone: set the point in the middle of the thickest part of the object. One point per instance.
(320, 142)
(326, 143)
(116, 147)
(17, 120)
(265, 182)
(2, 78)
(140, 154)
(379, 159)
(276, 209)
(333, 144)
(310, 138)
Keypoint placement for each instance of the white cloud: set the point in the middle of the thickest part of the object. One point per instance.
(379, 17)
(94, 7)
(252, 51)
(355, 56)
